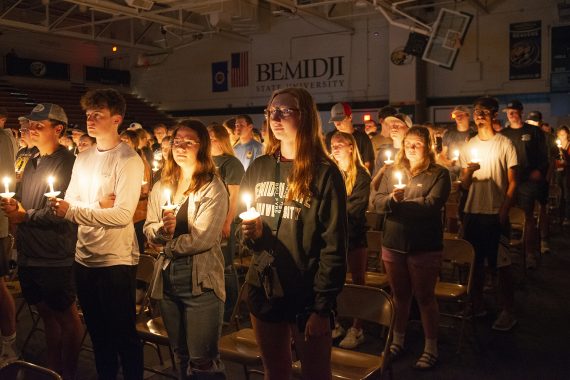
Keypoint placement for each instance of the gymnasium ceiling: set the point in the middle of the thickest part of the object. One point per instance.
(166, 25)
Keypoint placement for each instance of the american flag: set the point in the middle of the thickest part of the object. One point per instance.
(240, 77)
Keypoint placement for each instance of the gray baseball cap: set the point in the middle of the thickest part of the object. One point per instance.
(45, 111)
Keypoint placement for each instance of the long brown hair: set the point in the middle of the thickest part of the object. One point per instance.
(402, 162)
(223, 137)
(205, 167)
(309, 145)
(355, 161)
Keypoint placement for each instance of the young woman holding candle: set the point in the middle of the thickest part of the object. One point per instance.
(301, 197)
(190, 281)
(357, 182)
(412, 240)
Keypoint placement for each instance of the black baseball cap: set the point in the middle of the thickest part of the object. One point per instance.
(514, 104)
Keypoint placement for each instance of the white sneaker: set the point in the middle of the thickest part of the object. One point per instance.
(338, 331)
(352, 339)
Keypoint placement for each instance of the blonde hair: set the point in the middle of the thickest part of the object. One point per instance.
(401, 161)
(205, 167)
(309, 145)
(355, 161)
(223, 137)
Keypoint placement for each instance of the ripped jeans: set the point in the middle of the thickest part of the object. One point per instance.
(193, 323)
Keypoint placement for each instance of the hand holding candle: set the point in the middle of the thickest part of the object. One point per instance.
(559, 143)
(388, 160)
(155, 166)
(52, 193)
(7, 193)
(251, 225)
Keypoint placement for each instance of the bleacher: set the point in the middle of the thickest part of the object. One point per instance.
(20, 99)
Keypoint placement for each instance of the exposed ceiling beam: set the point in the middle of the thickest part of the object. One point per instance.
(309, 12)
(62, 17)
(82, 36)
(114, 8)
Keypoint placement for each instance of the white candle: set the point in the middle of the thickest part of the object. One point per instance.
(6, 181)
(168, 195)
(456, 154)
(400, 185)
(474, 157)
(247, 200)
(51, 180)
(250, 213)
(559, 143)
(388, 154)
(155, 166)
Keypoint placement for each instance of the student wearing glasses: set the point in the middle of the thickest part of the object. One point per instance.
(300, 194)
(357, 181)
(412, 240)
(190, 284)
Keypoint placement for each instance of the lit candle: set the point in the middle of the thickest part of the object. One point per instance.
(52, 193)
(70, 147)
(559, 143)
(456, 155)
(388, 157)
(7, 193)
(400, 185)
(250, 213)
(168, 195)
(474, 157)
(51, 180)
(155, 166)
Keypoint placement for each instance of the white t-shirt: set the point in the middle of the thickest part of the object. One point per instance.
(490, 183)
(105, 237)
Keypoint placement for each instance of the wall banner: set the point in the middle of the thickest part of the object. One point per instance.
(525, 50)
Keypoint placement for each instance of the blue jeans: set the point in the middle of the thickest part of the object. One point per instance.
(193, 323)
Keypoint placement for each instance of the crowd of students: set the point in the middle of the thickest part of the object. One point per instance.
(86, 206)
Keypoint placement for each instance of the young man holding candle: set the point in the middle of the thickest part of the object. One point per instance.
(488, 174)
(46, 243)
(454, 139)
(8, 148)
(101, 198)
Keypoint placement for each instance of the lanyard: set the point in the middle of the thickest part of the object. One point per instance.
(279, 201)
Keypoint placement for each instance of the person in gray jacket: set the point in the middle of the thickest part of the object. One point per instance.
(412, 194)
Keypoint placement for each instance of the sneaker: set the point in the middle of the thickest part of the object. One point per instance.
(338, 331)
(544, 247)
(353, 338)
(505, 322)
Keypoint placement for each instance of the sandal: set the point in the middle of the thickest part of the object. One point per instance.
(396, 351)
(426, 362)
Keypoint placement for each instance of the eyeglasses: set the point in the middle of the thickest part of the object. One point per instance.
(480, 112)
(183, 143)
(280, 113)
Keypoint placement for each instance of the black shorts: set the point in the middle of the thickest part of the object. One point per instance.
(283, 309)
(54, 286)
(530, 191)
